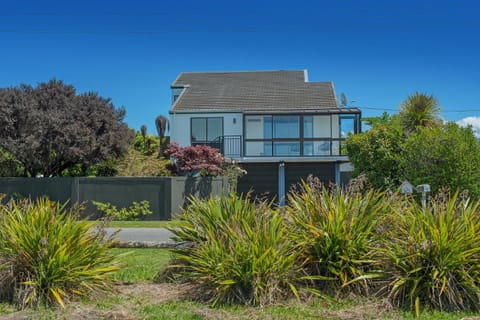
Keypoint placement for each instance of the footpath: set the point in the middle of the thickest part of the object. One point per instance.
(142, 237)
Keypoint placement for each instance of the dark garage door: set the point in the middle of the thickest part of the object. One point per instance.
(262, 178)
(295, 172)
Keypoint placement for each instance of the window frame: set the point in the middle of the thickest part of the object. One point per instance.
(192, 142)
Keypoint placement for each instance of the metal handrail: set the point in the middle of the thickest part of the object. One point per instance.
(230, 146)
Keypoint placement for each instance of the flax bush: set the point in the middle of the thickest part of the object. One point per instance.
(337, 233)
(432, 255)
(240, 251)
(48, 256)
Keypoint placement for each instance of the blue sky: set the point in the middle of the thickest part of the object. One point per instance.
(377, 52)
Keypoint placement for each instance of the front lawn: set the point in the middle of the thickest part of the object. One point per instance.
(140, 265)
(139, 298)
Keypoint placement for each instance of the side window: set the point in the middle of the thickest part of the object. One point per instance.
(206, 129)
(199, 129)
(347, 126)
(214, 128)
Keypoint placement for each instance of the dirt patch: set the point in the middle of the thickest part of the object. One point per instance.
(94, 314)
(374, 310)
(129, 296)
(157, 293)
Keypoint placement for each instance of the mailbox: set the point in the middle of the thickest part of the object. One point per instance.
(423, 188)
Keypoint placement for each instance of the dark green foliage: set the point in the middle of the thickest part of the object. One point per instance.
(446, 156)
(377, 153)
(49, 128)
(384, 119)
(108, 168)
(414, 145)
(9, 165)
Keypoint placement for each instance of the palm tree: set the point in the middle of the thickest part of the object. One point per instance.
(143, 131)
(419, 110)
(161, 122)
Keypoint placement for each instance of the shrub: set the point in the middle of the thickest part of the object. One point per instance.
(240, 251)
(132, 213)
(48, 256)
(137, 164)
(432, 255)
(336, 232)
(192, 160)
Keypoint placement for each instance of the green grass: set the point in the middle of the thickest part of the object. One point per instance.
(6, 308)
(143, 224)
(314, 309)
(140, 265)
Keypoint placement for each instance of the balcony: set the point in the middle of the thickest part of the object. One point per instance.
(229, 146)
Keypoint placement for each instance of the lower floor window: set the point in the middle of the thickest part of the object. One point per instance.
(286, 148)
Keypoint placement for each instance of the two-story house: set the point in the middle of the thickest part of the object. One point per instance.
(279, 126)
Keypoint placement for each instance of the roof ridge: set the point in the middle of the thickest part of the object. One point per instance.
(241, 71)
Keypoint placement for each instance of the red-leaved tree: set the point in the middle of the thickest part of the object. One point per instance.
(202, 160)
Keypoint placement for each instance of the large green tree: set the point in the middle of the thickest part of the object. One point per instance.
(422, 150)
(445, 156)
(50, 129)
(376, 153)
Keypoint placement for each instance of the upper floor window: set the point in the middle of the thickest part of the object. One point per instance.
(286, 127)
(298, 135)
(206, 129)
(176, 92)
(321, 126)
(272, 127)
(347, 125)
(258, 127)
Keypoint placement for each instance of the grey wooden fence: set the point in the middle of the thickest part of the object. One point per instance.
(166, 195)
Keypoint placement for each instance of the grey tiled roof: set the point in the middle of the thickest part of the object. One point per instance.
(254, 91)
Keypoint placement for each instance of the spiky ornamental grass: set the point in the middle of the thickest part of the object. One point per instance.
(240, 251)
(48, 256)
(432, 255)
(336, 232)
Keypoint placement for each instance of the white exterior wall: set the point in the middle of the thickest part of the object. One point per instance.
(180, 125)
